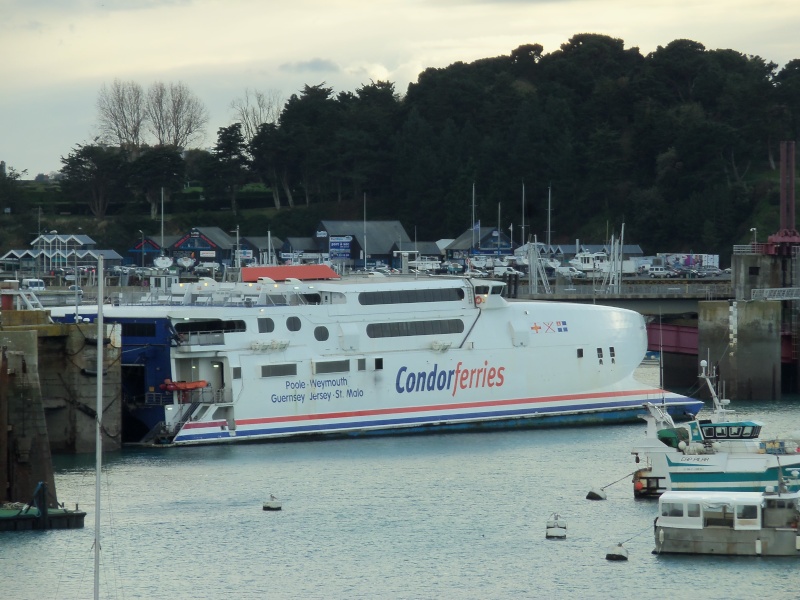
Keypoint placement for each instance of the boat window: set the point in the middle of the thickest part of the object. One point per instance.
(215, 325)
(672, 509)
(312, 298)
(692, 510)
(600, 353)
(497, 290)
(378, 364)
(735, 431)
(332, 366)
(266, 326)
(236, 372)
(321, 333)
(481, 289)
(611, 352)
(747, 511)
(411, 296)
(138, 330)
(721, 432)
(413, 328)
(362, 364)
(708, 432)
(580, 352)
(278, 370)
(293, 323)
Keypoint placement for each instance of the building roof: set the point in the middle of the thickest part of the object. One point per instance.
(381, 235)
(281, 273)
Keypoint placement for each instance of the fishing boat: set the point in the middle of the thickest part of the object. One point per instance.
(556, 528)
(728, 523)
(308, 353)
(720, 453)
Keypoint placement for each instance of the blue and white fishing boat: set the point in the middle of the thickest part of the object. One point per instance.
(282, 357)
(720, 453)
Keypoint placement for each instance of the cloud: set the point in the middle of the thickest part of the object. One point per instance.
(315, 65)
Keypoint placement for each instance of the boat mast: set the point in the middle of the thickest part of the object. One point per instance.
(522, 227)
(472, 247)
(549, 191)
(365, 231)
(98, 439)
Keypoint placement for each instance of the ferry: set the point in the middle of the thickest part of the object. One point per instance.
(284, 357)
(728, 523)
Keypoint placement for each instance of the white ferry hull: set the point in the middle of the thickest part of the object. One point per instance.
(516, 364)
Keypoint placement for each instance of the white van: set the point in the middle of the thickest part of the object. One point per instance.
(35, 285)
(658, 272)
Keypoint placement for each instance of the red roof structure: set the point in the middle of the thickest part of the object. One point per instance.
(281, 273)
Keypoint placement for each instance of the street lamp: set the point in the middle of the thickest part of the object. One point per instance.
(142, 232)
(755, 235)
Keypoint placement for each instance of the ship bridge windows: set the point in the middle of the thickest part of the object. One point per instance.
(210, 326)
(481, 290)
(411, 296)
(414, 328)
(497, 290)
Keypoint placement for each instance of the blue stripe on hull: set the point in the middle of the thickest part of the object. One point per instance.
(433, 424)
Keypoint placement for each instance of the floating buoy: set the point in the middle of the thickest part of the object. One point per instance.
(273, 503)
(556, 528)
(595, 494)
(617, 552)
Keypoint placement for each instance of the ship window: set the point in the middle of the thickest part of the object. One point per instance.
(611, 352)
(293, 323)
(413, 328)
(672, 509)
(497, 290)
(138, 330)
(722, 432)
(580, 352)
(708, 432)
(266, 326)
(278, 370)
(321, 333)
(735, 431)
(236, 372)
(215, 325)
(600, 353)
(747, 511)
(378, 364)
(481, 289)
(692, 510)
(362, 364)
(411, 296)
(332, 366)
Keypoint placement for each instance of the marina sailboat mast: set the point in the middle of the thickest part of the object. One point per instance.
(98, 436)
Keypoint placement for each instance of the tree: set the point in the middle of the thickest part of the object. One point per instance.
(266, 150)
(9, 188)
(257, 108)
(228, 171)
(176, 117)
(157, 170)
(122, 113)
(94, 174)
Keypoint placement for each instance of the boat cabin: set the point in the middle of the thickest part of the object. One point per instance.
(707, 432)
(733, 510)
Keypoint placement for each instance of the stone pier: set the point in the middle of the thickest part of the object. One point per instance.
(743, 340)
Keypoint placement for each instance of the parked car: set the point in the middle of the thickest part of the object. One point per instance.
(710, 271)
(75, 289)
(658, 272)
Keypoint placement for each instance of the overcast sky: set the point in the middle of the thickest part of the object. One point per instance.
(56, 54)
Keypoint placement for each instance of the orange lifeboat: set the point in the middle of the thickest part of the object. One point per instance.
(183, 386)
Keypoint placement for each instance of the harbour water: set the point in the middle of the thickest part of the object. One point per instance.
(457, 516)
